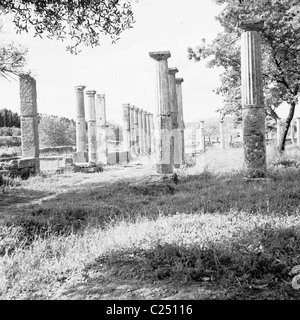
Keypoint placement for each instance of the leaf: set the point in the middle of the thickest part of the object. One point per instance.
(295, 283)
(295, 270)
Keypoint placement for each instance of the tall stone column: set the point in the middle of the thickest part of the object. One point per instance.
(148, 131)
(126, 127)
(298, 131)
(222, 140)
(145, 136)
(278, 134)
(102, 127)
(164, 164)
(174, 118)
(252, 101)
(141, 131)
(202, 136)
(29, 120)
(81, 137)
(91, 119)
(180, 120)
(152, 141)
(292, 132)
(136, 131)
(132, 132)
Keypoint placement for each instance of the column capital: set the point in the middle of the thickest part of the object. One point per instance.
(100, 95)
(251, 25)
(221, 120)
(141, 110)
(173, 71)
(160, 55)
(90, 93)
(79, 88)
(179, 80)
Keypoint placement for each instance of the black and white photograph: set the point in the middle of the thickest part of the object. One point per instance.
(150, 152)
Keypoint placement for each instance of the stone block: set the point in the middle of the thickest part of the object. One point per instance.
(80, 157)
(28, 96)
(30, 137)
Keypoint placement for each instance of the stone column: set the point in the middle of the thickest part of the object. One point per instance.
(298, 131)
(91, 119)
(292, 132)
(145, 136)
(136, 131)
(81, 138)
(148, 131)
(202, 136)
(141, 130)
(102, 127)
(278, 135)
(174, 118)
(152, 142)
(222, 140)
(252, 101)
(180, 121)
(126, 127)
(132, 132)
(164, 123)
(29, 120)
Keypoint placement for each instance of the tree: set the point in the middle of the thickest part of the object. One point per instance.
(80, 21)
(55, 131)
(12, 58)
(280, 55)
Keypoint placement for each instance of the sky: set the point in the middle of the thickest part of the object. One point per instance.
(124, 72)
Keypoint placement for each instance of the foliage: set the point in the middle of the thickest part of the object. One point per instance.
(80, 21)
(280, 54)
(12, 58)
(56, 131)
(9, 118)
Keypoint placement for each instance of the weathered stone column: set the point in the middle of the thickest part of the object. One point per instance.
(202, 136)
(181, 125)
(132, 132)
(164, 123)
(292, 132)
(298, 131)
(175, 143)
(91, 119)
(136, 131)
(145, 136)
(152, 142)
(148, 131)
(252, 101)
(81, 137)
(278, 134)
(222, 140)
(126, 127)
(141, 131)
(29, 120)
(102, 127)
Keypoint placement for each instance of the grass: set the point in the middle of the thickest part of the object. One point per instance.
(213, 228)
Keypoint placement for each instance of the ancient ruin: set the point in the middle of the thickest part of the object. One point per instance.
(252, 101)
(163, 119)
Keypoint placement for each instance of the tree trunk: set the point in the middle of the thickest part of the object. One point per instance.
(286, 127)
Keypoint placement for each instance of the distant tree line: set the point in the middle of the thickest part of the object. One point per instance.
(9, 119)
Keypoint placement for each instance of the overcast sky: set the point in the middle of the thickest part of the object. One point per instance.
(124, 72)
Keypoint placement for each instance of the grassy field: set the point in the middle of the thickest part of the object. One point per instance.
(212, 235)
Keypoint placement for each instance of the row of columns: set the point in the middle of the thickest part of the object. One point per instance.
(169, 125)
(92, 140)
(138, 130)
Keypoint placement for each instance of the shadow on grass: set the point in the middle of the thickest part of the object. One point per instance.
(124, 200)
(254, 266)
